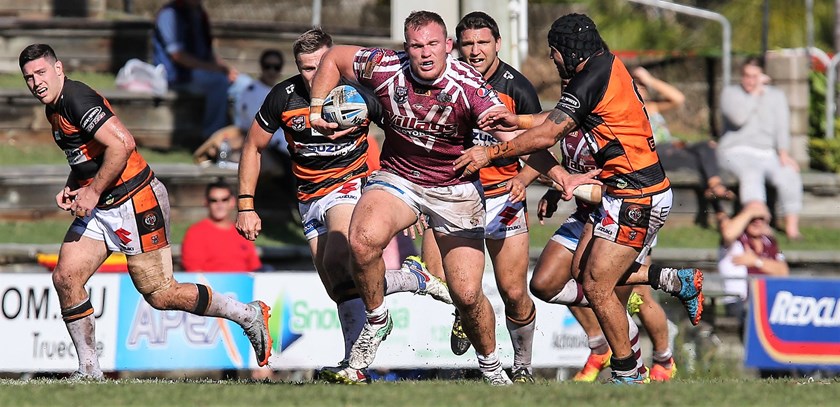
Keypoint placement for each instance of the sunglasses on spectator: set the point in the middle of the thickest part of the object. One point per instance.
(275, 67)
(217, 200)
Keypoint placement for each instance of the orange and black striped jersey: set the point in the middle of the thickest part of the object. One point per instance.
(79, 113)
(319, 164)
(603, 101)
(520, 97)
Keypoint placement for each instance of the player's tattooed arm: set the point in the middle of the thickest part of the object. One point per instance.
(561, 119)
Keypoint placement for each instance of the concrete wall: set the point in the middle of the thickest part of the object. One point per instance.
(789, 70)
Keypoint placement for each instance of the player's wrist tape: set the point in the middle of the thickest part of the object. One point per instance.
(759, 263)
(502, 150)
(316, 102)
(526, 121)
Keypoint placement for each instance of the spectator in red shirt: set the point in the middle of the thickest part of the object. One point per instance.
(213, 244)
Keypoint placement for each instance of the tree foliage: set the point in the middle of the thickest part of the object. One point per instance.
(627, 25)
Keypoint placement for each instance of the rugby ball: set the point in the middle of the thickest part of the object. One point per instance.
(345, 106)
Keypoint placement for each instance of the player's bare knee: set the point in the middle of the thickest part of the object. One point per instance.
(595, 291)
(151, 273)
(364, 250)
(467, 298)
(539, 288)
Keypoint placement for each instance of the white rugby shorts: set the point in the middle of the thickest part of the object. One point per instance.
(313, 214)
(138, 225)
(456, 210)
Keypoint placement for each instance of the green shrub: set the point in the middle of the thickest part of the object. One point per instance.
(825, 154)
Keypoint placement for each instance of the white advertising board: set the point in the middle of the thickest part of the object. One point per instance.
(34, 338)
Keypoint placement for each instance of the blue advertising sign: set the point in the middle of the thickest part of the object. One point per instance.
(148, 339)
(794, 323)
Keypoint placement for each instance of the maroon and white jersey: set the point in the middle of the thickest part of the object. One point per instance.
(577, 159)
(427, 124)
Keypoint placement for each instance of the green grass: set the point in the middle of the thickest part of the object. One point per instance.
(678, 236)
(51, 231)
(31, 154)
(713, 392)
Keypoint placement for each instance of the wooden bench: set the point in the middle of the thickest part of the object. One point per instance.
(28, 192)
(161, 122)
(819, 202)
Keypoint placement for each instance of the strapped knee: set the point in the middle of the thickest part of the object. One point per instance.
(151, 272)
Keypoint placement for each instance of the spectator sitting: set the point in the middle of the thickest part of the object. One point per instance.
(246, 105)
(213, 244)
(182, 42)
(673, 152)
(748, 248)
(756, 140)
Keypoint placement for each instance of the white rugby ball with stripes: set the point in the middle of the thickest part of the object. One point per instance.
(345, 106)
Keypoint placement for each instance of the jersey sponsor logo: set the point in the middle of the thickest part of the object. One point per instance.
(123, 235)
(298, 123)
(423, 133)
(651, 144)
(482, 138)
(400, 94)
(634, 213)
(443, 97)
(91, 118)
(348, 188)
(370, 61)
(570, 102)
(507, 75)
(485, 90)
(621, 183)
(508, 215)
(150, 220)
(290, 89)
(310, 226)
(324, 149)
(75, 156)
(632, 235)
(56, 135)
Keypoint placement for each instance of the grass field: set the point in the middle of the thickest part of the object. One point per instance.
(52, 231)
(725, 392)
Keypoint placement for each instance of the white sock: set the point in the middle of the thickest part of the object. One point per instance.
(522, 337)
(635, 343)
(663, 357)
(669, 281)
(401, 281)
(378, 315)
(598, 344)
(488, 363)
(351, 316)
(571, 294)
(227, 307)
(83, 333)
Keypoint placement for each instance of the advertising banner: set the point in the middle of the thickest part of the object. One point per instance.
(794, 324)
(307, 333)
(34, 337)
(131, 335)
(149, 339)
